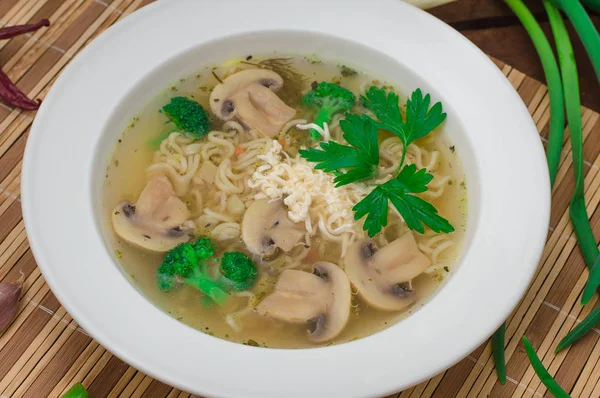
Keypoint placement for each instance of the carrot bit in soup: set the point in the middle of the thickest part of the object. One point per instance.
(312, 256)
(238, 151)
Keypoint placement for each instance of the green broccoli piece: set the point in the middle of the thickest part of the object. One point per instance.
(178, 261)
(210, 288)
(185, 263)
(328, 99)
(204, 248)
(155, 142)
(239, 270)
(188, 116)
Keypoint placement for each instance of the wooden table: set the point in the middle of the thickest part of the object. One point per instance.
(45, 351)
(492, 26)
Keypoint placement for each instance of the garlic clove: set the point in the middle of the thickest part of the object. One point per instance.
(10, 295)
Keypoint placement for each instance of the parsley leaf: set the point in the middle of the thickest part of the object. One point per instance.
(350, 163)
(416, 212)
(375, 207)
(358, 161)
(419, 121)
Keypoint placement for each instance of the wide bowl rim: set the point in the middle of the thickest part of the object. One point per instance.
(166, 368)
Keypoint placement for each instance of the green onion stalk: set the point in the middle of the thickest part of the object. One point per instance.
(577, 209)
(580, 330)
(498, 353)
(553, 387)
(584, 26)
(553, 79)
(555, 135)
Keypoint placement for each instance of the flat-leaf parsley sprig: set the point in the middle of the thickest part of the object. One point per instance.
(419, 121)
(359, 160)
(400, 191)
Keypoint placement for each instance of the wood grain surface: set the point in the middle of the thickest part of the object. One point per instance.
(492, 26)
(45, 351)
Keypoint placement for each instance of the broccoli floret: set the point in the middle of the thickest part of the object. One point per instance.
(204, 248)
(328, 99)
(155, 142)
(210, 288)
(178, 261)
(188, 116)
(184, 263)
(239, 269)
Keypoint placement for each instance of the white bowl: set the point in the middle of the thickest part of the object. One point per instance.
(89, 105)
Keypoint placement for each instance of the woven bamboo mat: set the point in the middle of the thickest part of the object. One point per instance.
(45, 351)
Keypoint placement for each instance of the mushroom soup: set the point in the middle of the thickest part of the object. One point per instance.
(286, 202)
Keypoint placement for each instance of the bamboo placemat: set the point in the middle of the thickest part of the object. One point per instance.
(45, 351)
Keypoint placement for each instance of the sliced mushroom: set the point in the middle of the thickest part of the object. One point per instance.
(266, 228)
(383, 276)
(156, 221)
(249, 96)
(321, 300)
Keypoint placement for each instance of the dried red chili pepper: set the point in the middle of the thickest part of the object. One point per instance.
(12, 31)
(9, 92)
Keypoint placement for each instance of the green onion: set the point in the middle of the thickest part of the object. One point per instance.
(555, 90)
(566, 59)
(585, 28)
(76, 391)
(592, 283)
(542, 373)
(580, 330)
(555, 135)
(498, 353)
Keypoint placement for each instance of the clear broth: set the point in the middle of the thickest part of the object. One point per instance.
(126, 177)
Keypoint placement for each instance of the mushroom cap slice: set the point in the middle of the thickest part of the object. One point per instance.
(238, 82)
(249, 96)
(383, 276)
(321, 300)
(266, 227)
(155, 222)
